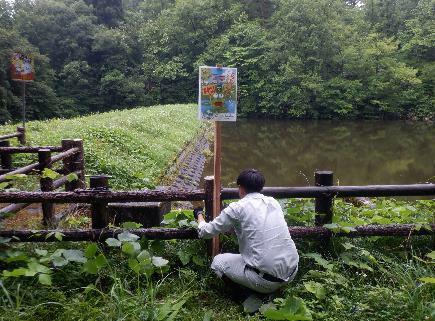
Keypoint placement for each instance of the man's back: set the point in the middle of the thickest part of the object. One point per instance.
(264, 239)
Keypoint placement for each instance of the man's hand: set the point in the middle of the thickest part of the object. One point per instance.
(198, 211)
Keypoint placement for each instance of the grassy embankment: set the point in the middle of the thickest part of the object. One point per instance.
(134, 146)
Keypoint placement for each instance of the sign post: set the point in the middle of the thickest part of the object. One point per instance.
(22, 70)
(217, 102)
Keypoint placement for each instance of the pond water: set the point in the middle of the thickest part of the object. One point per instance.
(358, 152)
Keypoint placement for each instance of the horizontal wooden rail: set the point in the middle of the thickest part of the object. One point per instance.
(65, 154)
(12, 208)
(29, 149)
(22, 170)
(175, 233)
(7, 136)
(341, 191)
(90, 196)
(20, 134)
(27, 169)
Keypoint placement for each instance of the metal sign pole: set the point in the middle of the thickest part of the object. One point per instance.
(24, 104)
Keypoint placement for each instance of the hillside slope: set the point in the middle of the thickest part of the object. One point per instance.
(134, 146)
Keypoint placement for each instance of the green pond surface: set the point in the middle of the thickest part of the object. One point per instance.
(358, 152)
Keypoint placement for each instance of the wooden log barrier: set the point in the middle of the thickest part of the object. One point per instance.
(12, 208)
(91, 195)
(28, 149)
(5, 158)
(340, 191)
(46, 185)
(8, 136)
(22, 135)
(296, 232)
(74, 162)
(323, 204)
(99, 210)
(27, 169)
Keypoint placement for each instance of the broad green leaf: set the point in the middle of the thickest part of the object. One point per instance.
(431, 255)
(130, 248)
(293, 308)
(159, 261)
(427, 280)
(134, 265)
(44, 279)
(74, 256)
(127, 237)
(144, 256)
(100, 261)
(90, 267)
(131, 225)
(41, 252)
(49, 173)
(316, 288)
(71, 177)
(58, 236)
(184, 256)
(319, 260)
(334, 227)
(252, 304)
(15, 272)
(4, 185)
(90, 250)
(59, 261)
(37, 268)
(347, 229)
(113, 242)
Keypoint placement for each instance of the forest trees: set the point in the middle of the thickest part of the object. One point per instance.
(296, 58)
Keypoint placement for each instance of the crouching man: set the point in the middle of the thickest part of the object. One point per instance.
(268, 258)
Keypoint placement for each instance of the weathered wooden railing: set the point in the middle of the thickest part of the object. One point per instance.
(20, 134)
(71, 154)
(99, 196)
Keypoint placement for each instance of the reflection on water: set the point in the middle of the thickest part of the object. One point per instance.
(359, 153)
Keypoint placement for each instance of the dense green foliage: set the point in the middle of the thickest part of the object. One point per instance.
(372, 279)
(296, 58)
(134, 146)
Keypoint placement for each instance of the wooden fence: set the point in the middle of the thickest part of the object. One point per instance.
(70, 153)
(99, 196)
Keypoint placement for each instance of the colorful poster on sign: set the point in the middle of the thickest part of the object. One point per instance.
(22, 67)
(217, 93)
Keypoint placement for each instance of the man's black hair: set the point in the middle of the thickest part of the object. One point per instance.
(251, 180)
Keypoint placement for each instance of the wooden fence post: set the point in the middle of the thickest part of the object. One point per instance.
(22, 137)
(46, 184)
(79, 163)
(208, 202)
(74, 163)
(99, 209)
(324, 204)
(6, 159)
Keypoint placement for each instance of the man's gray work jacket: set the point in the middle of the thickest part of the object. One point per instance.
(264, 240)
